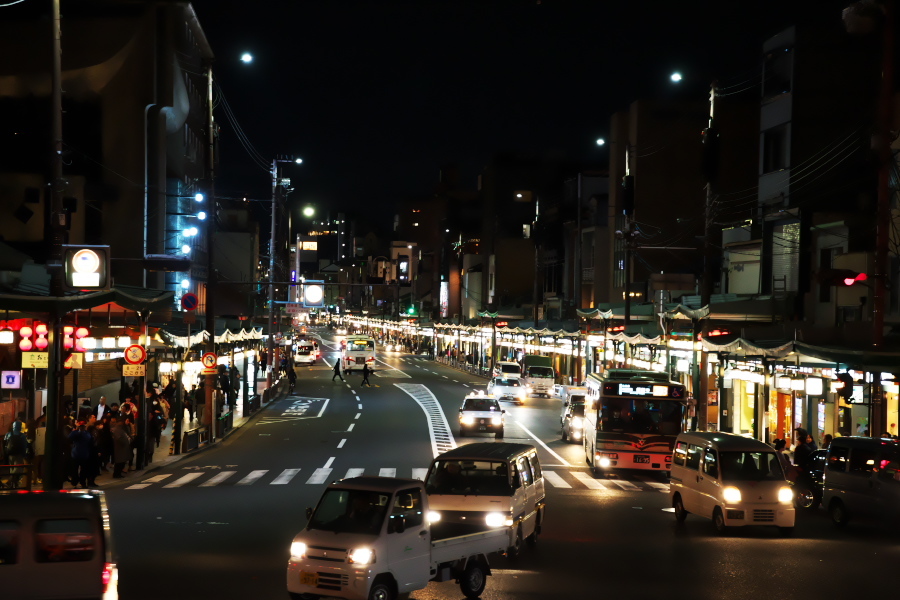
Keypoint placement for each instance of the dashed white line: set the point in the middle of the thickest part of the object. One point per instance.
(328, 464)
(351, 427)
(357, 416)
(359, 406)
(341, 444)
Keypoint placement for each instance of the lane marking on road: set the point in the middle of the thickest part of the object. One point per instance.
(285, 477)
(465, 385)
(387, 473)
(341, 443)
(541, 442)
(359, 406)
(183, 480)
(671, 510)
(456, 381)
(395, 373)
(328, 464)
(438, 427)
(351, 427)
(217, 479)
(588, 481)
(419, 474)
(555, 480)
(625, 485)
(253, 476)
(354, 473)
(319, 476)
(445, 377)
(357, 416)
(157, 478)
(662, 487)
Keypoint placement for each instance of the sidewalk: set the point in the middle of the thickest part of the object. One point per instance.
(162, 454)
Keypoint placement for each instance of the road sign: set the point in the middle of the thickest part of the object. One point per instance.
(75, 361)
(135, 354)
(189, 301)
(209, 360)
(292, 308)
(134, 370)
(11, 380)
(35, 360)
(189, 318)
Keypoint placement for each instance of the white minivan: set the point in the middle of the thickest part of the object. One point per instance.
(482, 486)
(731, 479)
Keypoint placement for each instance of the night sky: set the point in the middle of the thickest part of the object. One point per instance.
(377, 95)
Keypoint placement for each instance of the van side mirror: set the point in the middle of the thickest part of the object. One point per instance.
(308, 513)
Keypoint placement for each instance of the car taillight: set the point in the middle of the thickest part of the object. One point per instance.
(107, 575)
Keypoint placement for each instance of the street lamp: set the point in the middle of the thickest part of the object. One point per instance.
(308, 211)
(246, 58)
(676, 77)
(601, 141)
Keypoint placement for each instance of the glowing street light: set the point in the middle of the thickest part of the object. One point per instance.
(246, 58)
(199, 198)
(298, 161)
(201, 215)
(185, 249)
(600, 141)
(308, 211)
(675, 77)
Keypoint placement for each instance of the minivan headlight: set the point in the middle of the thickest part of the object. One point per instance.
(298, 549)
(361, 556)
(731, 494)
(785, 495)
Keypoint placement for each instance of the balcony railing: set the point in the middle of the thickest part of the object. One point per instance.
(587, 274)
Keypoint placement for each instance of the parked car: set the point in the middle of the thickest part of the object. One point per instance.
(810, 481)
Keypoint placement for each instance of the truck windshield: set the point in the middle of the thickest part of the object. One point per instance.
(750, 466)
(641, 416)
(350, 511)
(468, 477)
(540, 372)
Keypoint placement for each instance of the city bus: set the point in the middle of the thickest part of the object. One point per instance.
(360, 350)
(631, 419)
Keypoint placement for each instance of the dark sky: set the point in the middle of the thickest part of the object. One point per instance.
(376, 95)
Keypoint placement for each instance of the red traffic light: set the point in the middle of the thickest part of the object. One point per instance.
(857, 278)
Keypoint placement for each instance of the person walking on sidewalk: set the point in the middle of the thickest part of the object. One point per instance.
(121, 447)
(337, 370)
(365, 373)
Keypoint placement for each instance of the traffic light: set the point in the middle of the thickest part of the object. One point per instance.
(86, 267)
(845, 391)
(842, 277)
(411, 310)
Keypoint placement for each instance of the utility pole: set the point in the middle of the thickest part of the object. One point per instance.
(628, 236)
(710, 164)
(270, 346)
(53, 475)
(210, 380)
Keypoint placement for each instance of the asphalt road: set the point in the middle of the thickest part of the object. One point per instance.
(218, 523)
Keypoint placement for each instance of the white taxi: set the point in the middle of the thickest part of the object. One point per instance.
(507, 388)
(480, 413)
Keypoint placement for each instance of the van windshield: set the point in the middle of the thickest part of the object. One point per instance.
(350, 511)
(750, 466)
(468, 477)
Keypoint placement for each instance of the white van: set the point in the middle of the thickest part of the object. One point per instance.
(56, 545)
(733, 480)
(862, 479)
(482, 486)
(507, 369)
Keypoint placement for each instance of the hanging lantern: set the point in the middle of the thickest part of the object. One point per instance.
(41, 343)
(25, 345)
(81, 332)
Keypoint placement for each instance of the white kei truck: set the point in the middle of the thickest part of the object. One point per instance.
(369, 538)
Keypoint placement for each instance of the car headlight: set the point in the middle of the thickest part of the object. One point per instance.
(496, 519)
(466, 420)
(298, 549)
(361, 556)
(576, 423)
(785, 495)
(496, 420)
(433, 516)
(732, 494)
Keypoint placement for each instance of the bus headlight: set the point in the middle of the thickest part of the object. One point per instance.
(466, 420)
(785, 495)
(433, 516)
(732, 494)
(604, 462)
(298, 549)
(361, 556)
(496, 519)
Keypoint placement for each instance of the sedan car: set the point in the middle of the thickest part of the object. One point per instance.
(572, 421)
(480, 413)
(810, 481)
(507, 388)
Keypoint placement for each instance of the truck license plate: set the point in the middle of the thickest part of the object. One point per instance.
(641, 458)
(310, 579)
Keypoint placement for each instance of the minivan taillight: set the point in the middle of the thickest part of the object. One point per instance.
(107, 575)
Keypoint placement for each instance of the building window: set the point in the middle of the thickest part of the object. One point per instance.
(776, 149)
(785, 246)
(777, 73)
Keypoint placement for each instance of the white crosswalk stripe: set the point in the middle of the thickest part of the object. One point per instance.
(252, 477)
(354, 473)
(625, 485)
(217, 479)
(555, 480)
(183, 480)
(319, 476)
(419, 474)
(387, 473)
(588, 481)
(285, 477)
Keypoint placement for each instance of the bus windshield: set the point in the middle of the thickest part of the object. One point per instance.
(360, 345)
(629, 415)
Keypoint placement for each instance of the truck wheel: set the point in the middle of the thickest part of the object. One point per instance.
(381, 590)
(473, 580)
(514, 550)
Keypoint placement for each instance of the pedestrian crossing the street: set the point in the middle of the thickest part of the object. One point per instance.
(566, 479)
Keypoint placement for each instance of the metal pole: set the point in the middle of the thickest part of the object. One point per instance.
(270, 344)
(884, 222)
(578, 273)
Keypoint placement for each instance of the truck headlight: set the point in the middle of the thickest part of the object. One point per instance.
(496, 420)
(785, 495)
(496, 519)
(433, 516)
(361, 556)
(732, 494)
(298, 549)
(466, 420)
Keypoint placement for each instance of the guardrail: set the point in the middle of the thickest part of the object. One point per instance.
(224, 423)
